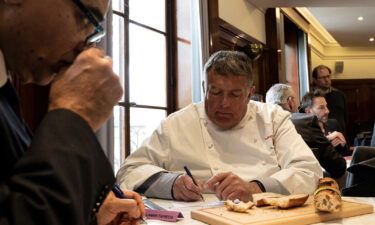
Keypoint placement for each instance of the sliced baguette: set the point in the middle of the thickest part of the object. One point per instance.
(259, 198)
(238, 207)
(327, 197)
(287, 201)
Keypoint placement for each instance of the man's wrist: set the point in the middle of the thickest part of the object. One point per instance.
(260, 185)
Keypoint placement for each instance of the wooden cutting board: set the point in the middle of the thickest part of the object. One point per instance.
(270, 215)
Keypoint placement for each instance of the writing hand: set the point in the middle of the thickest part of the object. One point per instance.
(184, 189)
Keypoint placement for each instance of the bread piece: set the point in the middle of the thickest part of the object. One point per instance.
(258, 198)
(327, 197)
(287, 201)
(238, 206)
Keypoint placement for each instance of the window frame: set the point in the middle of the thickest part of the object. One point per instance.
(170, 34)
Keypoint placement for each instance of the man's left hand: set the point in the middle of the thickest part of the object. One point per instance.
(230, 186)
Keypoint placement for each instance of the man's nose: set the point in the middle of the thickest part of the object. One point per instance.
(327, 111)
(225, 102)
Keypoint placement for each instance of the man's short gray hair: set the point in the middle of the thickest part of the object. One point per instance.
(279, 94)
(229, 63)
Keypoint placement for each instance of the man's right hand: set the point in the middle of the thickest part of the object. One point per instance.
(89, 87)
(185, 190)
(336, 138)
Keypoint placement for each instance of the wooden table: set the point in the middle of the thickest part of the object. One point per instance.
(211, 201)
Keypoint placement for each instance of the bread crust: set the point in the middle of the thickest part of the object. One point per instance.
(327, 197)
(238, 207)
(278, 200)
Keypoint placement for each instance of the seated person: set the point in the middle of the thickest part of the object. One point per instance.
(314, 103)
(235, 146)
(308, 127)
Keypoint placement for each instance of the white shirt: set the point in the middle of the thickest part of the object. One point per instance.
(263, 146)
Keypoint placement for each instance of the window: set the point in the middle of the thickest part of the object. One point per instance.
(142, 56)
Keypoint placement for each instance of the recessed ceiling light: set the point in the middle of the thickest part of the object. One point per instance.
(372, 39)
(360, 18)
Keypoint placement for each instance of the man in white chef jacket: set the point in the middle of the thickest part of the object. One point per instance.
(232, 147)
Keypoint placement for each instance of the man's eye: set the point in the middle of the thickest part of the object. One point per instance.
(236, 94)
(215, 92)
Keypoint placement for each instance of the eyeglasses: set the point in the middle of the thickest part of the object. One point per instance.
(99, 32)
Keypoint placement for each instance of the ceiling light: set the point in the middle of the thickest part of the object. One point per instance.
(371, 39)
(360, 18)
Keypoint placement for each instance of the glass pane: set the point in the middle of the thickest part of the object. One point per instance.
(118, 48)
(118, 5)
(142, 123)
(148, 12)
(118, 121)
(147, 66)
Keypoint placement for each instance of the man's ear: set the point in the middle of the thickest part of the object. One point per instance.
(251, 92)
(17, 2)
(290, 102)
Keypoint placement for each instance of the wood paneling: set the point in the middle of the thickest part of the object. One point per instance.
(291, 56)
(360, 96)
(224, 36)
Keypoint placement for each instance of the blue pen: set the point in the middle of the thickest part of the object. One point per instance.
(191, 176)
(119, 194)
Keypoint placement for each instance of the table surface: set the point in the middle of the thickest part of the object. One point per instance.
(211, 201)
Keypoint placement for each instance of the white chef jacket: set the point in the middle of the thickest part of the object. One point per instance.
(264, 146)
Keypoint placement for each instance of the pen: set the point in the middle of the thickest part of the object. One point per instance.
(191, 176)
(119, 194)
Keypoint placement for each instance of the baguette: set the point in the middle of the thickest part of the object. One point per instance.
(259, 198)
(327, 196)
(238, 206)
(278, 200)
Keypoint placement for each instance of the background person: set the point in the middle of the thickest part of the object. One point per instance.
(308, 127)
(336, 100)
(314, 103)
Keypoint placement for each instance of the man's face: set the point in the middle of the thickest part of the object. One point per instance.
(323, 79)
(226, 99)
(319, 109)
(44, 36)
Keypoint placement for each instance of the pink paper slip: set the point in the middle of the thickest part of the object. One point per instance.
(165, 215)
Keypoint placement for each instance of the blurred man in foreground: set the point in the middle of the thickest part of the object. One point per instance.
(60, 176)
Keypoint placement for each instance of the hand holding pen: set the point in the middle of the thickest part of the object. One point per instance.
(187, 188)
(191, 176)
(120, 206)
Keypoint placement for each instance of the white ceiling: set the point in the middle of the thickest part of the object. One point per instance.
(338, 17)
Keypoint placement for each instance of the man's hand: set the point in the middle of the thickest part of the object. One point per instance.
(230, 186)
(185, 190)
(121, 211)
(336, 138)
(88, 87)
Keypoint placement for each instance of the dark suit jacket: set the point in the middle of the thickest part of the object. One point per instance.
(307, 126)
(331, 126)
(336, 102)
(59, 178)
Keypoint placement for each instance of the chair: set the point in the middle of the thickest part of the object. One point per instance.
(361, 177)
